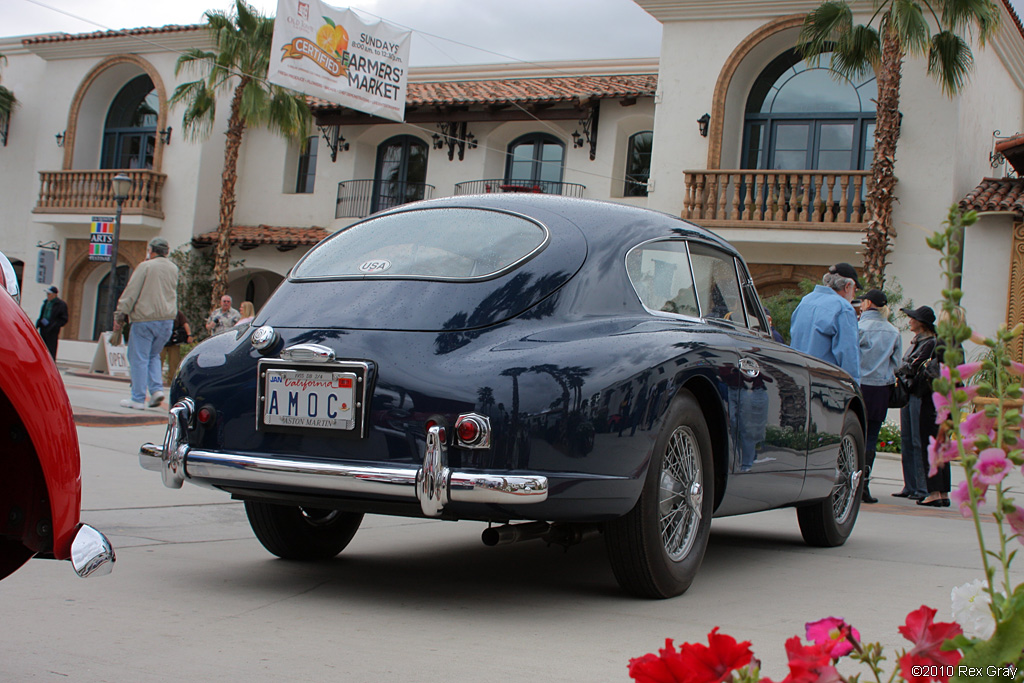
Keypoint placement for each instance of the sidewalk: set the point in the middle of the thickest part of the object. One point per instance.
(96, 399)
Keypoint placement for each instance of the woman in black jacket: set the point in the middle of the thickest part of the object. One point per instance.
(914, 452)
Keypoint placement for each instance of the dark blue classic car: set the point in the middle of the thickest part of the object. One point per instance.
(550, 366)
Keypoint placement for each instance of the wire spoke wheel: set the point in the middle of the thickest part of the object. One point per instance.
(681, 494)
(845, 490)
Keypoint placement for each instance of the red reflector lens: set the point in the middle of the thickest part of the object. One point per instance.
(205, 415)
(469, 431)
(429, 424)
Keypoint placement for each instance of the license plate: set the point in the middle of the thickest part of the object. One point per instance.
(321, 399)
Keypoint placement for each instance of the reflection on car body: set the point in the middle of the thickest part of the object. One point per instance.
(540, 374)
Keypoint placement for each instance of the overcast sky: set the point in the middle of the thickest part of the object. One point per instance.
(528, 30)
(478, 31)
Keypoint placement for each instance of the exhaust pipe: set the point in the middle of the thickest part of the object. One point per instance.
(558, 534)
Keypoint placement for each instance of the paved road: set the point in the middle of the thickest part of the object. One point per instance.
(194, 597)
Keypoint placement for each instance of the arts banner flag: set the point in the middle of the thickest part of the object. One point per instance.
(331, 53)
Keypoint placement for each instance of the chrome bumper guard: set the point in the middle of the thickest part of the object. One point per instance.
(91, 552)
(433, 484)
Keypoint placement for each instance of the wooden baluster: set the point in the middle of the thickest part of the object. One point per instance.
(818, 202)
(844, 198)
(723, 195)
(745, 188)
(777, 208)
(688, 196)
(760, 199)
(858, 184)
(805, 198)
(736, 182)
(701, 196)
(830, 214)
(790, 195)
(711, 200)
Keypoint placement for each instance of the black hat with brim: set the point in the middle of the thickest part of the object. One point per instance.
(922, 314)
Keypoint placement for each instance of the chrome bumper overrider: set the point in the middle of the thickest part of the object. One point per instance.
(91, 552)
(433, 484)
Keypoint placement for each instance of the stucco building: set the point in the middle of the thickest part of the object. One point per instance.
(729, 128)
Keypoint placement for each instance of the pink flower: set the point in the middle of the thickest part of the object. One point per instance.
(831, 633)
(1016, 368)
(939, 453)
(968, 370)
(1016, 522)
(962, 497)
(992, 466)
(941, 402)
(977, 424)
(979, 486)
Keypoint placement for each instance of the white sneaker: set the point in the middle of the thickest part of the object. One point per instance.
(128, 403)
(156, 399)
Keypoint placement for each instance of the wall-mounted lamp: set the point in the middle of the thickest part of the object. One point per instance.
(165, 135)
(438, 142)
(702, 124)
(60, 139)
(577, 139)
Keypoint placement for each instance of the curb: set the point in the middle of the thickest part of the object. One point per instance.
(97, 375)
(87, 418)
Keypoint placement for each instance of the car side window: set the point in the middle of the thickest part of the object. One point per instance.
(717, 285)
(751, 300)
(660, 273)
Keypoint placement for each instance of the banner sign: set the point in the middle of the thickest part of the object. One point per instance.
(331, 53)
(101, 239)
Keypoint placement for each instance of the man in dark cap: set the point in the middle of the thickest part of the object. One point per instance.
(52, 316)
(824, 323)
(881, 349)
(150, 302)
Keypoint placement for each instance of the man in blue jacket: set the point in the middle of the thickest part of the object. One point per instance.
(824, 323)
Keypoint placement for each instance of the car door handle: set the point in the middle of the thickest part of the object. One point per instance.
(749, 367)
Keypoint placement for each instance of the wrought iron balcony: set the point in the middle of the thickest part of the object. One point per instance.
(808, 200)
(360, 198)
(504, 185)
(90, 192)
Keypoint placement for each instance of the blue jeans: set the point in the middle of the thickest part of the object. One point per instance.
(914, 481)
(145, 341)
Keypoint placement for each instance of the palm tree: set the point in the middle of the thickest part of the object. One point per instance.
(239, 64)
(7, 100)
(904, 27)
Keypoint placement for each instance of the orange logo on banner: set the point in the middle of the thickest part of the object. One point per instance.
(303, 47)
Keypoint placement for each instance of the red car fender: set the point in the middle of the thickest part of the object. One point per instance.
(31, 382)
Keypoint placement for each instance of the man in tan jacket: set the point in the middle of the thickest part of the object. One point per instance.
(150, 303)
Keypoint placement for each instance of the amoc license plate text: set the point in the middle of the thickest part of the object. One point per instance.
(323, 400)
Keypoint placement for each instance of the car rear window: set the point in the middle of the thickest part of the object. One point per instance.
(442, 243)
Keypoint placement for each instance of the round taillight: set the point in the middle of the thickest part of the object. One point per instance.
(469, 431)
(205, 415)
(429, 424)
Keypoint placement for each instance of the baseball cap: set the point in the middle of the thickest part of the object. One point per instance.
(158, 243)
(875, 296)
(52, 289)
(847, 271)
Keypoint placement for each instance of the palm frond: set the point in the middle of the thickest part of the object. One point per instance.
(200, 110)
(856, 52)
(907, 18)
(823, 26)
(949, 61)
(289, 114)
(7, 102)
(194, 60)
(960, 15)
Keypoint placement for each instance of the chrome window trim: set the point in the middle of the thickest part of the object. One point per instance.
(545, 241)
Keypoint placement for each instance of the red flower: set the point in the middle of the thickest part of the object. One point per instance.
(810, 663)
(928, 638)
(715, 663)
(694, 663)
(655, 668)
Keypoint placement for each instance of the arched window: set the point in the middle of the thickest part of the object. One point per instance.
(638, 164)
(129, 134)
(401, 172)
(801, 116)
(307, 166)
(534, 162)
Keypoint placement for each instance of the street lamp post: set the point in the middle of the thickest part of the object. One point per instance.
(121, 185)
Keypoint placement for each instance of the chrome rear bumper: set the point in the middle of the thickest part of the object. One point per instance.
(91, 552)
(433, 484)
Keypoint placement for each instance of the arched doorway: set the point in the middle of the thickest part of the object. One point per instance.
(101, 320)
(401, 173)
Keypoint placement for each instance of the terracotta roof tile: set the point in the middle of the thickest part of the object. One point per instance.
(266, 234)
(997, 194)
(555, 89)
(144, 31)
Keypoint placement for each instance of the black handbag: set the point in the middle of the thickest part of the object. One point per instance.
(178, 336)
(899, 393)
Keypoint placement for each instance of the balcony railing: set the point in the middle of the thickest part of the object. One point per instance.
(502, 185)
(814, 200)
(89, 192)
(360, 198)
